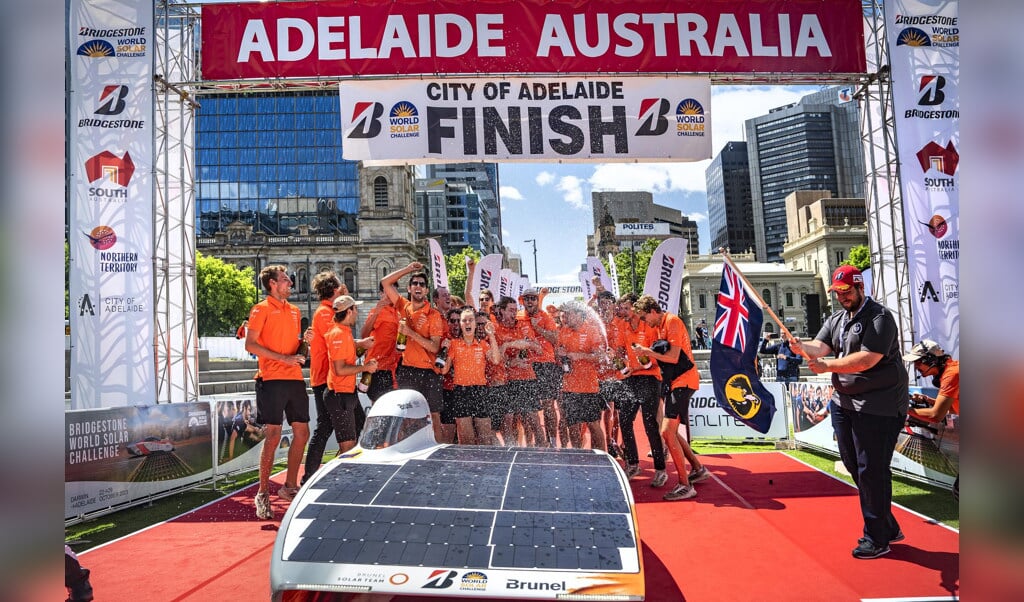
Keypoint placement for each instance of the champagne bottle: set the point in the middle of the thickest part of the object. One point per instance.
(619, 364)
(363, 384)
(400, 340)
(645, 362)
(303, 348)
(565, 363)
(442, 356)
(360, 352)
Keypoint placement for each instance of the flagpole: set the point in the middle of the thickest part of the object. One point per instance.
(753, 293)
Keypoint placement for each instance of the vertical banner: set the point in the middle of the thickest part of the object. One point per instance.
(589, 290)
(522, 284)
(597, 269)
(110, 226)
(664, 279)
(614, 275)
(438, 269)
(924, 51)
(486, 276)
(508, 282)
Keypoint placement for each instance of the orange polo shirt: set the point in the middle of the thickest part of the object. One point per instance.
(428, 323)
(341, 346)
(547, 353)
(469, 361)
(385, 329)
(319, 365)
(516, 332)
(674, 331)
(949, 384)
(642, 335)
(582, 375)
(278, 324)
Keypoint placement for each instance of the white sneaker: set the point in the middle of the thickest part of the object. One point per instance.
(632, 470)
(263, 509)
(660, 478)
(680, 492)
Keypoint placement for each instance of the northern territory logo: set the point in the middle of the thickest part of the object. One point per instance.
(101, 238)
(366, 120)
(689, 118)
(937, 226)
(404, 120)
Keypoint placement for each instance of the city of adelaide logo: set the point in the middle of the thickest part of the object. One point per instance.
(404, 120)
(689, 118)
(110, 167)
(102, 237)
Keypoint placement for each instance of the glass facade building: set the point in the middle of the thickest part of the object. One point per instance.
(273, 161)
(452, 213)
(730, 207)
(482, 179)
(813, 144)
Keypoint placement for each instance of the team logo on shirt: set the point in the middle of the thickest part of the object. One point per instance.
(739, 392)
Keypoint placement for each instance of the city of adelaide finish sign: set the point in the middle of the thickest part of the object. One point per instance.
(451, 37)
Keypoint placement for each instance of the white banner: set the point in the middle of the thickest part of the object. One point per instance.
(614, 275)
(597, 269)
(641, 230)
(487, 275)
(509, 279)
(110, 160)
(664, 279)
(589, 290)
(527, 119)
(438, 269)
(924, 51)
(708, 419)
(522, 284)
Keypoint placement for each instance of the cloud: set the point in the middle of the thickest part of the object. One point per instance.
(571, 188)
(565, 279)
(510, 193)
(544, 178)
(698, 217)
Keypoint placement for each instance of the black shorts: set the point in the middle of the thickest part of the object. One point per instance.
(448, 406)
(424, 380)
(276, 399)
(677, 404)
(549, 380)
(342, 409)
(382, 382)
(497, 402)
(613, 391)
(470, 402)
(522, 396)
(581, 407)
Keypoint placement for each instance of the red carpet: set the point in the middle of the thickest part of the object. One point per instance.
(765, 526)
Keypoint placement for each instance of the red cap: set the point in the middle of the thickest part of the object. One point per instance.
(844, 277)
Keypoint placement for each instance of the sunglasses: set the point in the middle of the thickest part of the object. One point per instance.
(417, 283)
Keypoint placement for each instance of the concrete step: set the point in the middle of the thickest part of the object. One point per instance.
(223, 375)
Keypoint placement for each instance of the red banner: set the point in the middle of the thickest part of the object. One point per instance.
(452, 37)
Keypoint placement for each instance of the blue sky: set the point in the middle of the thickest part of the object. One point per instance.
(551, 201)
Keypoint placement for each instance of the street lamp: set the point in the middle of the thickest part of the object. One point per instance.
(535, 277)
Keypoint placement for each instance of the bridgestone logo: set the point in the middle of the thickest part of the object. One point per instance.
(665, 281)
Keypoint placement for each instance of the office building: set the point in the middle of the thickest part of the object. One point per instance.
(813, 144)
(730, 207)
(609, 208)
(453, 213)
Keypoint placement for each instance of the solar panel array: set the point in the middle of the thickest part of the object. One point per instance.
(471, 507)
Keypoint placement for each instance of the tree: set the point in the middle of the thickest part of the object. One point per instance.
(456, 267)
(860, 257)
(624, 265)
(224, 295)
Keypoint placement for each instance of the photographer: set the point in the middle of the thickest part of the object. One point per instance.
(930, 360)
(787, 365)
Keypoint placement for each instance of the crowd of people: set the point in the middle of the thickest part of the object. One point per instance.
(518, 373)
(513, 372)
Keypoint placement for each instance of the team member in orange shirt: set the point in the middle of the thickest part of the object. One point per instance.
(583, 343)
(930, 360)
(677, 402)
(424, 327)
(341, 399)
(381, 325)
(273, 336)
(453, 332)
(523, 402)
(495, 397)
(468, 356)
(328, 287)
(540, 328)
(645, 388)
(612, 384)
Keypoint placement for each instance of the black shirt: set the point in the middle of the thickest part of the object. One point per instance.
(882, 389)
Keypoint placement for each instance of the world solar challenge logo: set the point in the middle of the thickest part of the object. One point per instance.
(928, 30)
(689, 118)
(127, 42)
(404, 120)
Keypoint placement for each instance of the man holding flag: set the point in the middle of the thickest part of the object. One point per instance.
(870, 402)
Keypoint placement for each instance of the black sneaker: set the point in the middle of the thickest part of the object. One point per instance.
(898, 537)
(866, 549)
